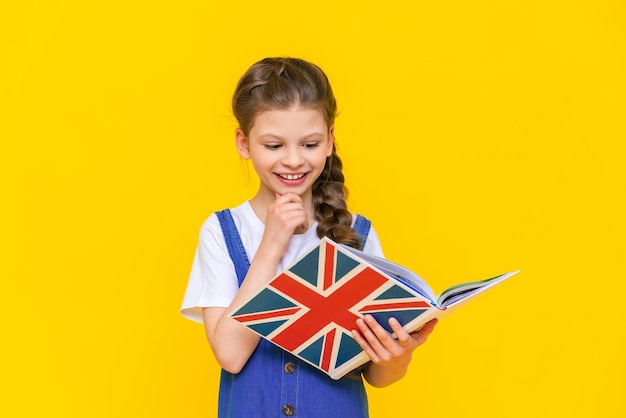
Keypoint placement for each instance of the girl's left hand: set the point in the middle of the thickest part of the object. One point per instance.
(385, 351)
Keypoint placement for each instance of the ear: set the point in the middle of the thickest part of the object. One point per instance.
(331, 141)
(241, 142)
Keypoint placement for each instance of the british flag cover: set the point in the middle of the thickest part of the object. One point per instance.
(311, 308)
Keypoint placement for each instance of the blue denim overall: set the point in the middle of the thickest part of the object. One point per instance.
(274, 383)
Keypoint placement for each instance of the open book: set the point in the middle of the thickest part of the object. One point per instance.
(310, 308)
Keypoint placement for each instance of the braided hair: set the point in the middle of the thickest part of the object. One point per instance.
(279, 83)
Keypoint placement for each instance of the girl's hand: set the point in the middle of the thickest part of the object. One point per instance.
(285, 216)
(390, 357)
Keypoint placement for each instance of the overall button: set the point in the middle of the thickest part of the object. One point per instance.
(289, 367)
(288, 409)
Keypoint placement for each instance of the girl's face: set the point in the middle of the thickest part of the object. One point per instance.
(288, 149)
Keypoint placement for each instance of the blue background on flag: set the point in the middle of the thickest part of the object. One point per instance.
(266, 300)
(344, 265)
(395, 292)
(307, 268)
(266, 328)
(313, 352)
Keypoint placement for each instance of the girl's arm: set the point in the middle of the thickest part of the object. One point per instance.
(233, 344)
(389, 357)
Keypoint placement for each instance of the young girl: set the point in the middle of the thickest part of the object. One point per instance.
(286, 110)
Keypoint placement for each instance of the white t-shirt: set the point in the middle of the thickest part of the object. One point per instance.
(213, 280)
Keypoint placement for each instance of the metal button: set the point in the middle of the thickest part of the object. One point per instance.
(289, 367)
(288, 409)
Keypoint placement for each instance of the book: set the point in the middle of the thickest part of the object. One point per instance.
(311, 308)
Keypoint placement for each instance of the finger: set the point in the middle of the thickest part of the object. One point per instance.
(292, 201)
(366, 332)
(402, 336)
(430, 326)
(305, 224)
(285, 204)
(363, 343)
(379, 337)
(422, 335)
(288, 197)
(287, 209)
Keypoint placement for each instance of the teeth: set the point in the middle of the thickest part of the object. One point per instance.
(291, 176)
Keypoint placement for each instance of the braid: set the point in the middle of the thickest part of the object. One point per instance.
(329, 201)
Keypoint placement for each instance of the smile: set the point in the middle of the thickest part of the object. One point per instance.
(291, 176)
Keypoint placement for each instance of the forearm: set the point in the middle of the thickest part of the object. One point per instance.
(233, 344)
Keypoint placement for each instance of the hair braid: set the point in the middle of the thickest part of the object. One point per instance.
(329, 200)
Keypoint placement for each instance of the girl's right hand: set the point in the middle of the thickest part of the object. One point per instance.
(285, 216)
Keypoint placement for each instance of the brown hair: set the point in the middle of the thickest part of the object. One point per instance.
(279, 83)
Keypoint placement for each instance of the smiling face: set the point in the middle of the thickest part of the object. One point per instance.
(288, 149)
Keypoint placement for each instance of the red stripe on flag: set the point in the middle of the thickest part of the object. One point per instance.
(329, 266)
(266, 315)
(328, 349)
(324, 309)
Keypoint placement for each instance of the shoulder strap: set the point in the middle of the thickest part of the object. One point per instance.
(233, 242)
(362, 227)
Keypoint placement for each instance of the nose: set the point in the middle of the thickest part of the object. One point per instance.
(292, 157)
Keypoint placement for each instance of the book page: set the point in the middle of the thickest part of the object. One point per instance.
(463, 291)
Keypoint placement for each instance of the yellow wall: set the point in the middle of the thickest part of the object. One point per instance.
(479, 136)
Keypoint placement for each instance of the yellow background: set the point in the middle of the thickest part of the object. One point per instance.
(479, 137)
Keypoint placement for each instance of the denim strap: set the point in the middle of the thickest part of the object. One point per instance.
(362, 227)
(235, 247)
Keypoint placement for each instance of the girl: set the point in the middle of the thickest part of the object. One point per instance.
(286, 110)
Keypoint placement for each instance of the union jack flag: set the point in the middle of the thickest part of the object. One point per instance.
(311, 308)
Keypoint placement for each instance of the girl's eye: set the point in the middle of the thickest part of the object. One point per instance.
(311, 145)
(272, 146)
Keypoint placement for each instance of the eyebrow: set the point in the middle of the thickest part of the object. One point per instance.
(310, 136)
